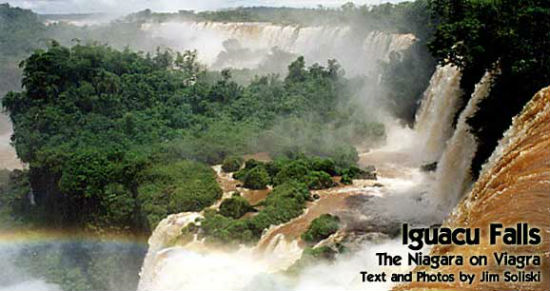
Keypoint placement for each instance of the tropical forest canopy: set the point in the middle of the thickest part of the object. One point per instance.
(103, 129)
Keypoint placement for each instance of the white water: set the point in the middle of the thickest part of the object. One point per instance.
(8, 157)
(192, 266)
(405, 193)
(403, 197)
(15, 278)
(453, 176)
(357, 54)
(433, 124)
(166, 231)
(434, 118)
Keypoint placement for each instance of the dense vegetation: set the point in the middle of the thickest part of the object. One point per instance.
(284, 202)
(314, 172)
(291, 178)
(14, 190)
(513, 36)
(321, 228)
(232, 164)
(404, 88)
(175, 187)
(235, 207)
(21, 29)
(116, 140)
(114, 124)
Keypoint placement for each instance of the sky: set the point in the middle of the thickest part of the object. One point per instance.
(128, 6)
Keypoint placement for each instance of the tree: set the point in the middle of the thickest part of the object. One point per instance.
(321, 228)
(235, 207)
(256, 178)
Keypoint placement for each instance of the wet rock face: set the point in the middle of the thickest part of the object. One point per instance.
(513, 187)
(368, 173)
(357, 223)
(429, 167)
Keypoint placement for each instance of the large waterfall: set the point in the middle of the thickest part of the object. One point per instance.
(453, 170)
(433, 124)
(512, 186)
(215, 41)
(434, 118)
(401, 194)
(172, 264)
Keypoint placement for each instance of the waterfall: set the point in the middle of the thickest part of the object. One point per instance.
(163, 235)
(358, 52)
(8, 156)
(434, 119)
(172, 265)
(513, 187)
(453, 174)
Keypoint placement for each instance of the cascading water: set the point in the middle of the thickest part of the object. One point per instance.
(8, 157)
(358, 55)
(410, 148)
(172, 264)
(434, 119)
(512, 186)
(453, 169)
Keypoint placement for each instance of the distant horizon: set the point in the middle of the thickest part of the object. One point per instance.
(111, 7)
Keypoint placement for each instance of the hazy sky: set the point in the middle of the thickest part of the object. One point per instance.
(126, 6)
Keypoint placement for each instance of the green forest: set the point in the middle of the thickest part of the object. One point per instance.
(119, 128)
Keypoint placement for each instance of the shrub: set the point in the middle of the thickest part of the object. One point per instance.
(321, 228)
(322, 252)
(252, 163)
(325, 165)
(308, 171)
(235, 207)
(294, 170)
(275, 166)
(311, 256)
(284, 203)
(318, 180)
(232, 164)
(346, 180)
(177, 187)
(256, 178)
(248, 166)
(343, 155)
(354, 172)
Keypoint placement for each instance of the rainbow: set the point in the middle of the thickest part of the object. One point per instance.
(60, 236)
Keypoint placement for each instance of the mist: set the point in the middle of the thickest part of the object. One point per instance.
(70, 263)
(367, 56)
(80, 6)
(17, 279)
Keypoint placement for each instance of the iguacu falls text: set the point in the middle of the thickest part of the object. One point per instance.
(521, 234)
